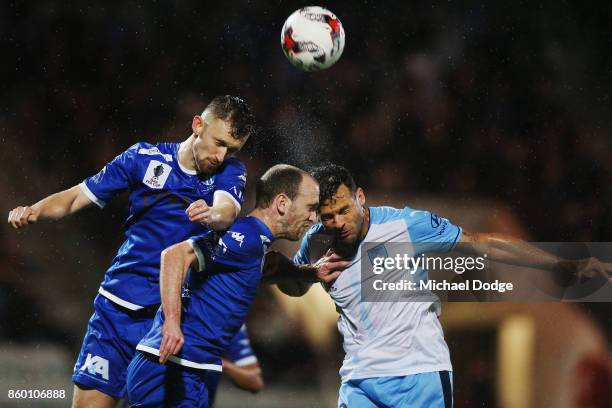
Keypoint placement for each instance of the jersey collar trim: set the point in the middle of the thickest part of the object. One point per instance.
(183, 168)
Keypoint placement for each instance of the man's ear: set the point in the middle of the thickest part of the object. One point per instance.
(360, 194)
(282, 203)
(197, 124)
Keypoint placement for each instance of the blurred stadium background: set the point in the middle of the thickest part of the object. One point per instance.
(494, 114)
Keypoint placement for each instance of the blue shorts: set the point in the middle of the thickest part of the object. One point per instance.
(423, 390)
(109, 345)
(151, 384)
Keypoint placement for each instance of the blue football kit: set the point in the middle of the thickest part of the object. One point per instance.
(396, 355)
(160, 190)
(240, 351)
(216, 299)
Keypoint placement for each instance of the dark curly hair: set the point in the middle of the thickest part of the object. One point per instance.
(236, 112)
(330, 177)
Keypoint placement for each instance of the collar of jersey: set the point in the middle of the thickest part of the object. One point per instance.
(183, 169)
(264, 227)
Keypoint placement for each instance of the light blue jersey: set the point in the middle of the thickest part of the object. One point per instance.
(384, 339)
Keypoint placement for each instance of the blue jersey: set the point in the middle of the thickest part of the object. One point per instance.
(239, 351)
(216, 299)
(160, 189)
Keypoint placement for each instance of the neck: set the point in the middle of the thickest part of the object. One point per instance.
(185, 154)
(366, 224)
(265, 217)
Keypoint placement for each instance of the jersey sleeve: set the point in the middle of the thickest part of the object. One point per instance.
(231, 182)
(429, 232)
(240, 351)
(113, 179)
(237, 249)
(302, 256)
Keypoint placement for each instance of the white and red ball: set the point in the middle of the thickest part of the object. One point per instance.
(313, 38)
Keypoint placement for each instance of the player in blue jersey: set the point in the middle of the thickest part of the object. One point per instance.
(175, 190)
(396, 355)
(241, 365)
(193, 331)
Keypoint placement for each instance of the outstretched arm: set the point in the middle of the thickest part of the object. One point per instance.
(247, 377)
(55, 206)
(510, 250)
(295, 280)
(175, 261)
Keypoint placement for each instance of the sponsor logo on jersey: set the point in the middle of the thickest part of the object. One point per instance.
(242, 177)
(209, 181)
(238, 237)
(156, 175)
(435, 220)
(96, 365)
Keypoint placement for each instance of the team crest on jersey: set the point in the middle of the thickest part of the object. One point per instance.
(157, 174)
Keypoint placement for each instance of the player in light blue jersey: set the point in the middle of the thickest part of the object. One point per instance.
(176, 190)
(396, 355)
(194, 331)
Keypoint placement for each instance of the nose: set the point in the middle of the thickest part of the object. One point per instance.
(313, 217)
(222, 154)
(339, 223)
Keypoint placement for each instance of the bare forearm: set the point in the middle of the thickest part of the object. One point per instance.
(279, 269)
(172, 276)
(61, 204)
(248, 377)
(507, 249)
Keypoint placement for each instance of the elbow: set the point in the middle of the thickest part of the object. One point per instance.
(223, 222)
(258, 384)
(177, 253)
(223, 217)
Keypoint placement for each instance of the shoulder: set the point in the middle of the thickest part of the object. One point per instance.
(384, 214)
(381, 215)
(245, 237)
(160, 150)
(232, 166)
(315, 230)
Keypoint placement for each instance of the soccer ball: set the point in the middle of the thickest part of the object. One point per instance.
(313, 38)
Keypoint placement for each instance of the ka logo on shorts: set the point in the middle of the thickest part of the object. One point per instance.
(157, 174)
(95, 365)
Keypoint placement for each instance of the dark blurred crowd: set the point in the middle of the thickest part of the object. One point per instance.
(500, 100)
(472, 99)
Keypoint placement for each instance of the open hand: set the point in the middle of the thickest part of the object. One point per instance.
(330, 266)
(593, 267)
(199, 211)
(172, 340)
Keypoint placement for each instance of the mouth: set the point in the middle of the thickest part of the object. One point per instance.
(344, 234)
